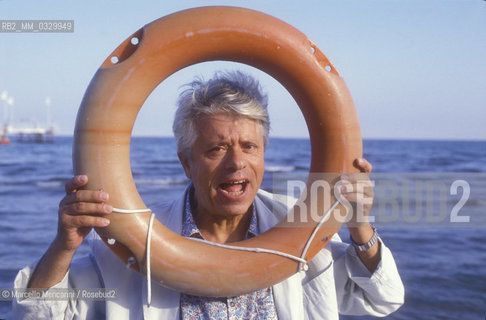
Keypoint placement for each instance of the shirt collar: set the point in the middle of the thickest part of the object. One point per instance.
(190, 229)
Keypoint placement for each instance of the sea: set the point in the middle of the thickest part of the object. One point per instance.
(430, 211)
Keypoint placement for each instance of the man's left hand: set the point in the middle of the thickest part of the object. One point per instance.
(361, 195)
(358, 190)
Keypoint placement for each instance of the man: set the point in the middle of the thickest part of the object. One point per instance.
(221, 129)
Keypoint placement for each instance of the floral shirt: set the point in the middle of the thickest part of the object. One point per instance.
(254, 305)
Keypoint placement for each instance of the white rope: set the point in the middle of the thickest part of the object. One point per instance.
(149, 282)
(312, 236)
(147, 252)
(301, 260)
(257, 250)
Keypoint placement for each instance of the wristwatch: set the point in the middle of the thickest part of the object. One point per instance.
(369, 244)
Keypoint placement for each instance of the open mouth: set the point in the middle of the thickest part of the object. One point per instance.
(234, 188)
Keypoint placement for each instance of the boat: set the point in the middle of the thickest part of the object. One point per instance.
(4, 139)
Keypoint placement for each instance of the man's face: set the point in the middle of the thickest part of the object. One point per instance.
(226, 164)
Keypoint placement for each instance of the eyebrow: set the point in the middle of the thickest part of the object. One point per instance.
(224, 140)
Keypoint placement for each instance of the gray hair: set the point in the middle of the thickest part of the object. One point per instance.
(233, 93)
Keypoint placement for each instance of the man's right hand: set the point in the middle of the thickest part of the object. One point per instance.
(79, 212)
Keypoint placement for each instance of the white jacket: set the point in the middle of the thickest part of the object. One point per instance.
(336, 281)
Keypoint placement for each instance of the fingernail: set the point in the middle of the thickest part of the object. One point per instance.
(108, 208)
(82, 179)
(105, 222)
(104, 196)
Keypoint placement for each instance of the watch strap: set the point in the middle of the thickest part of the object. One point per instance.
(369, 244)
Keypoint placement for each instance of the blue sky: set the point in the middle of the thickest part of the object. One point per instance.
(416, 69)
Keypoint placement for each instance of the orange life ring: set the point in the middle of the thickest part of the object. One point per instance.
(127, 77)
